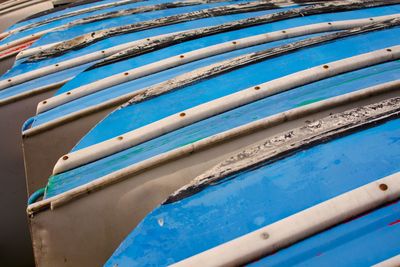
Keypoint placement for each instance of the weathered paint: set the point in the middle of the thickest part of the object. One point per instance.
(341, 84)
(258, 193)
(23, 68)
(168, 81)
(85, 22)
(288, 143)
(181, 48)
(96, 36)
(290, 13)
(207, 72)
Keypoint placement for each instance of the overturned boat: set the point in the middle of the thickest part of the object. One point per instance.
(322, 194)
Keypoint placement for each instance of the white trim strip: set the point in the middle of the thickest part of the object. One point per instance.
(36, 91)
(112, 50)
(31, 51)
(223, 104)
(73, 62)
(198, 54)
(24, 39)
(243, 130)
(299, 226)
(391, 262)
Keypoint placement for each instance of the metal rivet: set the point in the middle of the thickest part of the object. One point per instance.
(183, 114)
(326, 67)
(126, 73)
(234, 42)
(383, 187)
(120, 137)
(389, 50)
(181, 56)
(264, 235)
(257, 88)
(68, 93)
(65, 157)
(44, 102)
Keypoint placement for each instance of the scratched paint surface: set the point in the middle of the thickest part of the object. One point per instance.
(120, 39)
(137, 84)
(24, 67)
(116, 40)
(121, 121)
(217, 124)
(269, 193)
(199, 93)
(131, 117)
(93, 75)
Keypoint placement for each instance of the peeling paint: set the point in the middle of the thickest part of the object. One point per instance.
(92, 37)
(241, 61)
(289, 142)
(96, 36)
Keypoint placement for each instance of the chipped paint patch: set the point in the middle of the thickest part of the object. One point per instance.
(289, 142)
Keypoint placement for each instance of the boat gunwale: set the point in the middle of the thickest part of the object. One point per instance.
(349, 29)
(237, 132)
(220, 105)
(299, 226)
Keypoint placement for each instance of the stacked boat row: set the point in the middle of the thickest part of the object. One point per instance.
(205, 133)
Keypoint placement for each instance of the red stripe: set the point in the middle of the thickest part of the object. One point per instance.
(17, 48)
(395, 222)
